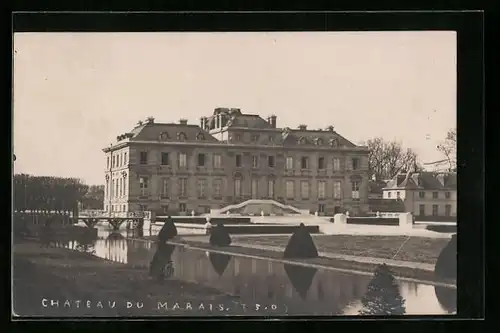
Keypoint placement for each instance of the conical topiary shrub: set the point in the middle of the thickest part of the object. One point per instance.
(168, 231)
(382, 297)
(301, 245)
(219, 236)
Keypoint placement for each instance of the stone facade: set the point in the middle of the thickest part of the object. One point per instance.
(230, 157)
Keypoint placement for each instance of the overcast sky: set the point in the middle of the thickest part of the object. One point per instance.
(75, 92)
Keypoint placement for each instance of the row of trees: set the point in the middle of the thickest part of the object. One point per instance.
(388, 158)
(54, 194)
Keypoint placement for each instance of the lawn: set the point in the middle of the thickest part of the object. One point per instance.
(415, 249)
(63, 275)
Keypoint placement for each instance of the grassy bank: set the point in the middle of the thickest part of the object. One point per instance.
(414, 249)
(59, 275)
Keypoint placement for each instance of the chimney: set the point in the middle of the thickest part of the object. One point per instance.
(203, 121)
(330, 128)
(271, 120)
(183, 121)
(150, 120)
(302, 127)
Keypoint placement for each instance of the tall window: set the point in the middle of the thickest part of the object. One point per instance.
(304, 162)
(164, 188)
(237, 187)
(118, 160)
(447, 210)
(254, 188)
(201, 187)
(143, 185)
(421, 210)
(116, 188)
(289, 189)
(304, 189)
(434, 195)
(182, 160)
(125, 158)
(389, 195)
(120, 188)
(336, 164)
(164, 159)
(447, 195)
(217, 161)
(355, 163)
(270, 188)
(182, 207)
(321, 208)
(113, 161)
(398, 195)
(321, 163)
(107, 162)
(355, 190)
(421, 195)
(289, 163)
(113, 189)
(238, 160)
(434, 210)
(182, 187)
(201, 160)
(106, 193)
(217, 187)
(124, 186)
(321, 189)
(337, 189)
(255, 161)
(143, 157)
(271, 162)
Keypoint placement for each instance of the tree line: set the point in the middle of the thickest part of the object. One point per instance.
(54, 194)
(388, 158)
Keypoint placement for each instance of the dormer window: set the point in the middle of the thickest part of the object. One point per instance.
(319, 141)
(200, 137)
(302, 141)
(334, 142)
(181, 136)
(164, 136)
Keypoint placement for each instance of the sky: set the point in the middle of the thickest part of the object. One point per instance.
(75, 92)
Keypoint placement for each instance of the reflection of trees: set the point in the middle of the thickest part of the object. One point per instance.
(447, 298)
(301, 278)
(382, 296)
(219, 262)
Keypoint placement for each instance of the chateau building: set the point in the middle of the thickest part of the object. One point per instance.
(230, 157)
(425, 194)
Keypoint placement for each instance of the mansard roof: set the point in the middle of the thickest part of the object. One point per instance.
(424, 181)
(169, 133)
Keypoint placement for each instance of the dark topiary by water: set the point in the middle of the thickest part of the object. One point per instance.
(382, 297)
(219, 236)
(301, 245)
(168, 231)
(446, 265)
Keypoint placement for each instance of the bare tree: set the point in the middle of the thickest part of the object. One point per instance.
(387, 158)
(449, 148)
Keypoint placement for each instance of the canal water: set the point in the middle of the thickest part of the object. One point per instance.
(303, 290)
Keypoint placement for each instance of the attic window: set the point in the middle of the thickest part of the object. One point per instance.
(164, 136)
(319, 141)
(181, 136)
(334, 142)
(200, 136)
(302, 140)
